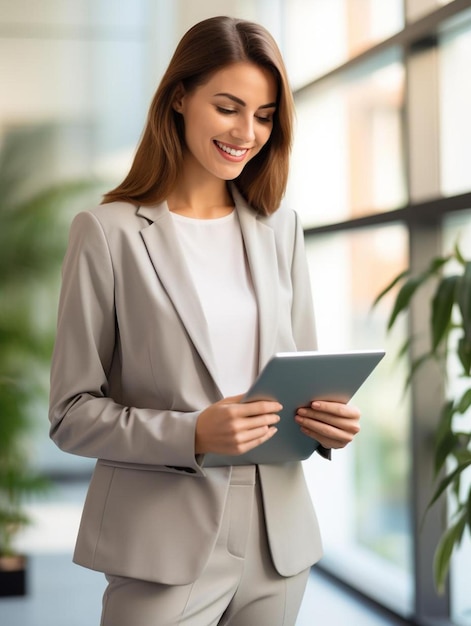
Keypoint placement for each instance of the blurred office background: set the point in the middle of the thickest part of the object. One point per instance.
(381, 176)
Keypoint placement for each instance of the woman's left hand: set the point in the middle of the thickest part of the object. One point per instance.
(332, 424)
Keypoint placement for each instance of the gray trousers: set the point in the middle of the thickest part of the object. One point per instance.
(238, 587)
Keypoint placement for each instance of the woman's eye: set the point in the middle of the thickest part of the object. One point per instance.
(225, 111)
(264, 120)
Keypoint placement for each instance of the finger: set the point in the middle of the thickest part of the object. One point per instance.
(328, 426)
(342, 414)
(332, 444)
(329, 436)
(328, 442)
(336, 408)
(253, 422)
(255, 438)
(249, 424)
(333, 439)
(261, 407)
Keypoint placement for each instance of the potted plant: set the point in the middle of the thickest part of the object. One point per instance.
(17, 480)
(33, 227)
(450, 341)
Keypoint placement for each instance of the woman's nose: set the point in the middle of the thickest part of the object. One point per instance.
(244, 130)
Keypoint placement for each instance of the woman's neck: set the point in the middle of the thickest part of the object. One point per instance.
(203, 200)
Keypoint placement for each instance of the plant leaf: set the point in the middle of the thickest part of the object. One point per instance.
(457, 253)
(441, 562)
(404, 297)
(464, 299)
(436, 265)
(390, 286)
(464, 354)
(444, 436)
(447, 481)
(404, 349)
(464, 402)
(462, 454)
(442, 306)
(409, 288)
(444, 448)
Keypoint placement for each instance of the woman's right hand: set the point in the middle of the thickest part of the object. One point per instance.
(232, 427)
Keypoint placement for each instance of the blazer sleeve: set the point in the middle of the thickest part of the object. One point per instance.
(302, 312)
(84, 419)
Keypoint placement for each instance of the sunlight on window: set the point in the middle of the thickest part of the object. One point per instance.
(348, 154)
(455, 105)
(367, 523)
(320, 35)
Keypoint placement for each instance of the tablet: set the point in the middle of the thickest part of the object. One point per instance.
(295, 379)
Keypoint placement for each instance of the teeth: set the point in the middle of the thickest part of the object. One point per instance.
(231, 151)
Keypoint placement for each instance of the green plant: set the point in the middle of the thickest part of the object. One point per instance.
(33, 233)
(450, 337)
(17, 479)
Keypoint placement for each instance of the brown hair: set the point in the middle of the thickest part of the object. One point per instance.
(207, 47)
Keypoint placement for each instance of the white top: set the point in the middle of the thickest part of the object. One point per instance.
(215, 255)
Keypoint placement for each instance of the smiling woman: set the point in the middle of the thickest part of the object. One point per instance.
(176, 292)
(227, 121)
(218, 46)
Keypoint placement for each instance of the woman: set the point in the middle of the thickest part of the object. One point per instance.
(176, 291)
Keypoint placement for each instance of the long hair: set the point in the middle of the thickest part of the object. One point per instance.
(207, 47)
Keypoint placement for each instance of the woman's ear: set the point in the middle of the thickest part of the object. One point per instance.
(178, 98)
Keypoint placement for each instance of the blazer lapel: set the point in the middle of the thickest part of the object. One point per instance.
(164, 250)
(259, 241)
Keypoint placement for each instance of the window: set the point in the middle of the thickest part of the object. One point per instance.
(381, 179)
(348, 154)
(366, 526)
(455, 105)
(320, 35)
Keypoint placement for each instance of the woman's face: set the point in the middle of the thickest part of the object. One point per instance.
(228, 119)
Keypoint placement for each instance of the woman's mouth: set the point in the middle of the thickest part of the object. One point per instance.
(230, 152)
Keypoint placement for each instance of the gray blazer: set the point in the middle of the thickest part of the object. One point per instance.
(132, 369)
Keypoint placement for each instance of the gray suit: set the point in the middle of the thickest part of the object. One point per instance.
(132, 369)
